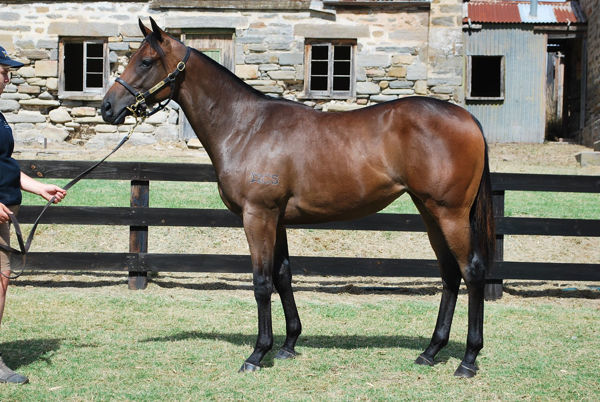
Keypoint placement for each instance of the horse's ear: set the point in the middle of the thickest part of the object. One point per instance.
(156, 29)
(145, 30)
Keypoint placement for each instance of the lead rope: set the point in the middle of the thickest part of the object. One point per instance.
(139, 110)
(24, 246)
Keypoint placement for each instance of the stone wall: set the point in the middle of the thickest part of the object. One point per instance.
(446, 63)
(401, 51)
(591, 131)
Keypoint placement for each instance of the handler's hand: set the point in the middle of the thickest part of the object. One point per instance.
(4, 212)
(47, 191)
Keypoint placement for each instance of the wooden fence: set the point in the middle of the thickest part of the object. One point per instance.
(139, 217)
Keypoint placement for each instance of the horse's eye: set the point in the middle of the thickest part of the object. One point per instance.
(146, 63)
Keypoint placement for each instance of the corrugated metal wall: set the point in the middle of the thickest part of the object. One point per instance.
(521, 116)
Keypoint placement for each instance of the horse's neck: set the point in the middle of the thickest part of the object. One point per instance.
(211, 100)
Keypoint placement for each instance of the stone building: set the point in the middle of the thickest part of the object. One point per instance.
(330, 54)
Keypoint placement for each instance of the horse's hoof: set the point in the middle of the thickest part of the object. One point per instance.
(423, 361)
(249, 368)
(285, 354)
(466, 371)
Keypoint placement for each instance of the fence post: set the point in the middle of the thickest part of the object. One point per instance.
(493, 287)
(138, 235)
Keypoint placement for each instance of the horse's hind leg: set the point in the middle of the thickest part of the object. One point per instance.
(474, 276)
(456, 229)
(450, 274)
(282, 278)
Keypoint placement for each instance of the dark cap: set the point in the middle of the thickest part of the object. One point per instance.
(7, 61)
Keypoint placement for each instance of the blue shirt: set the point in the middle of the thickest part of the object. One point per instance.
(10, 173)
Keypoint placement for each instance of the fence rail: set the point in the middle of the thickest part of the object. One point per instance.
(139, 217)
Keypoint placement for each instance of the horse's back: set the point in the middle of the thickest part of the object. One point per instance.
(350, 164)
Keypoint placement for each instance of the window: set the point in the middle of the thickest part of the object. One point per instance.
(485, 80)
(330, 69)
(214, 54)
(83, 68)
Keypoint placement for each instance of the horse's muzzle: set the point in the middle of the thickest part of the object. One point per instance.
(110, 115)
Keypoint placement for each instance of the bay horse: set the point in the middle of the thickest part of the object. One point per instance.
(280, 162)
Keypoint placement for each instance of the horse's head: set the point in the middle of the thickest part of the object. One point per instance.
(159, 59)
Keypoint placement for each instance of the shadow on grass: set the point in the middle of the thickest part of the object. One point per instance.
(347, 342)
(342, 287)
(525, 289)
(23, 352)
(326, 285)
(67, 284)
(56, 279)
(532, 289)
(557, 293)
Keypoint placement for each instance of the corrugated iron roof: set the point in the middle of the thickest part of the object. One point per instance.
(519, 12)
(373, 2)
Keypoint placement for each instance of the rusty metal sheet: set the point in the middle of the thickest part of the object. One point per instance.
(568, 13)
(504, 12)
(507, 12)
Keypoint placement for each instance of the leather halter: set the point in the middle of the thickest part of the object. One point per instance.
(140, 107)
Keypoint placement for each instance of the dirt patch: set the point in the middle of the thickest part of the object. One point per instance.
(549, 158)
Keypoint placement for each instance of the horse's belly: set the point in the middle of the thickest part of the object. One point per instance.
(325, 206)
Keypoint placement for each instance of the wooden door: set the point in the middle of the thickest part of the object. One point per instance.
(219, 46)
(555, 78)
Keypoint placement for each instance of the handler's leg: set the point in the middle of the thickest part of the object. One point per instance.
(4, 262)
(6, 374)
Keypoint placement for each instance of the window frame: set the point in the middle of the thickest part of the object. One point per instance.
(329, 93)
(87, 93)
(469, 77)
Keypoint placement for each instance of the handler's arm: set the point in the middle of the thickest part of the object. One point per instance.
(46, 191)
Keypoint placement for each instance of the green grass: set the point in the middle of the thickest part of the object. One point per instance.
(98, 341)
(116, 193)
(205, 195)
(552, 205)
(86, 337)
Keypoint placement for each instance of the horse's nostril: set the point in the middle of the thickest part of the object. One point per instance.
(107, 109)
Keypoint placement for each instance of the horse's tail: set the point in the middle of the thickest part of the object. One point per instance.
(483, 231)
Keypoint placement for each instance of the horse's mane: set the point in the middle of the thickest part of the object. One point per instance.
(241, 83)
(154, 43)
(222, 69)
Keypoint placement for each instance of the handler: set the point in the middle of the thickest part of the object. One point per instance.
(12, 180)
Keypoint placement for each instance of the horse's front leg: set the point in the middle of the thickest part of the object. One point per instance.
(260, 226)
